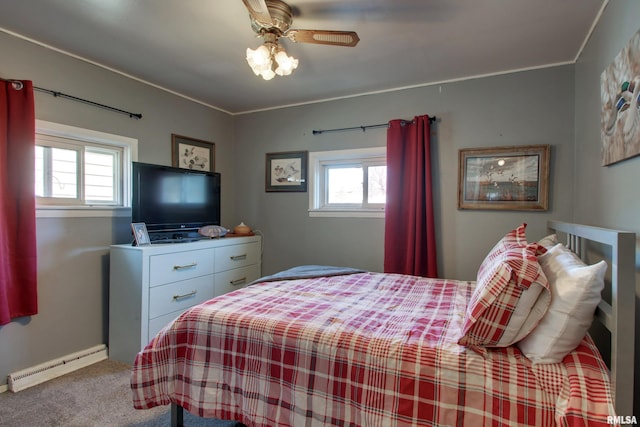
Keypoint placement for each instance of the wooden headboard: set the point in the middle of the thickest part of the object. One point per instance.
(619, 315)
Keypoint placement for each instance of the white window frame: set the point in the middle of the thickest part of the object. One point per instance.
(317, 177)
(129, 154)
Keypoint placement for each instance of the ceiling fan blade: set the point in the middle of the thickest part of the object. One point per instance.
(259, 11)
(334, 38)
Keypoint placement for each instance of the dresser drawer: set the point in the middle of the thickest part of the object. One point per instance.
(160, 322)
(231, 280)
(234, 256)
(180, 295)
(167, 268)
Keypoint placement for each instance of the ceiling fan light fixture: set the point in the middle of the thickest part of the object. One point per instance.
(286, 63)
(259, 59)
(270, 59)
(268, 74)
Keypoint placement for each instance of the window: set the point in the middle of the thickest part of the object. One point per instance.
(81, 170)
(348, 183)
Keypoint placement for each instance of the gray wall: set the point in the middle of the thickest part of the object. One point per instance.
(534, 107)
(73, 261)
(606, 196)
(557, 106)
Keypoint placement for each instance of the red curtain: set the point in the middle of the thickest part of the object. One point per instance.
(409, 243)
(18, 270)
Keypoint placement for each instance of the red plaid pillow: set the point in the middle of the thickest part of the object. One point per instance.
(505, 275)
(514, 239)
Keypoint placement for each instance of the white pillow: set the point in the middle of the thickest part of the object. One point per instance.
(525, 315)
(575, 294)
(548, 241)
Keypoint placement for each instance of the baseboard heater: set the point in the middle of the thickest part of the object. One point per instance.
(38, 374)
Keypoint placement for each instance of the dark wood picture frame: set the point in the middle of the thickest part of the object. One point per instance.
(191, 153)
(286, 171)
(504, 178)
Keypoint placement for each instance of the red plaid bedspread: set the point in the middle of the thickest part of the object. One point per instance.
(365, 349)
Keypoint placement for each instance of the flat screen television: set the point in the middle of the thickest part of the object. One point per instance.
(171, 199)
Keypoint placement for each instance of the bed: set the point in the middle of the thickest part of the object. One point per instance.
(345, 347)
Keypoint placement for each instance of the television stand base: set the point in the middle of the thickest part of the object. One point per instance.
(175, 236)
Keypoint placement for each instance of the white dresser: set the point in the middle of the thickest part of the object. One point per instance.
(151, 285)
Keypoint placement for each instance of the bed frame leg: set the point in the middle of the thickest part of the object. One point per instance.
(177, 415)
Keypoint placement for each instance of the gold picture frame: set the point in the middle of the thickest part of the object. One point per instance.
(190, 153)
(504, 178)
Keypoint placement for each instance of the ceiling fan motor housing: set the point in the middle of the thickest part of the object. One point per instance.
(281, 18)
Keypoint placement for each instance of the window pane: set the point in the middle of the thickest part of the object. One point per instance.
(73, 169)
(377, 184)
(344, 185)
(39, 171)
(339, 183)
(99, 176)
(62, 177)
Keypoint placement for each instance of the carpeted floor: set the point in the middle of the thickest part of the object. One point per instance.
(98, 395)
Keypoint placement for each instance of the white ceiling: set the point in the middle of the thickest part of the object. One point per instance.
(196, 48)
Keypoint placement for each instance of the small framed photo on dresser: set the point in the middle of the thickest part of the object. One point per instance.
(140, 234)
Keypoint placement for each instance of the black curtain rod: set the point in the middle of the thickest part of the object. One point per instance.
(86, 101)
(57, 94)
(364, 128)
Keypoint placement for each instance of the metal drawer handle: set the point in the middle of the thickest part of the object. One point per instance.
(238, 257)
(238, 281)
(184, 267)
(190, 294)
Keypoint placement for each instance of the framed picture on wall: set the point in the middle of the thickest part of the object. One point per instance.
(190, 153)
(504, 178)
(286, 171)
(620, 112)
(140, 234)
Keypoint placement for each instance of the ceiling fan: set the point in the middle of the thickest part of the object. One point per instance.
(271, 20)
